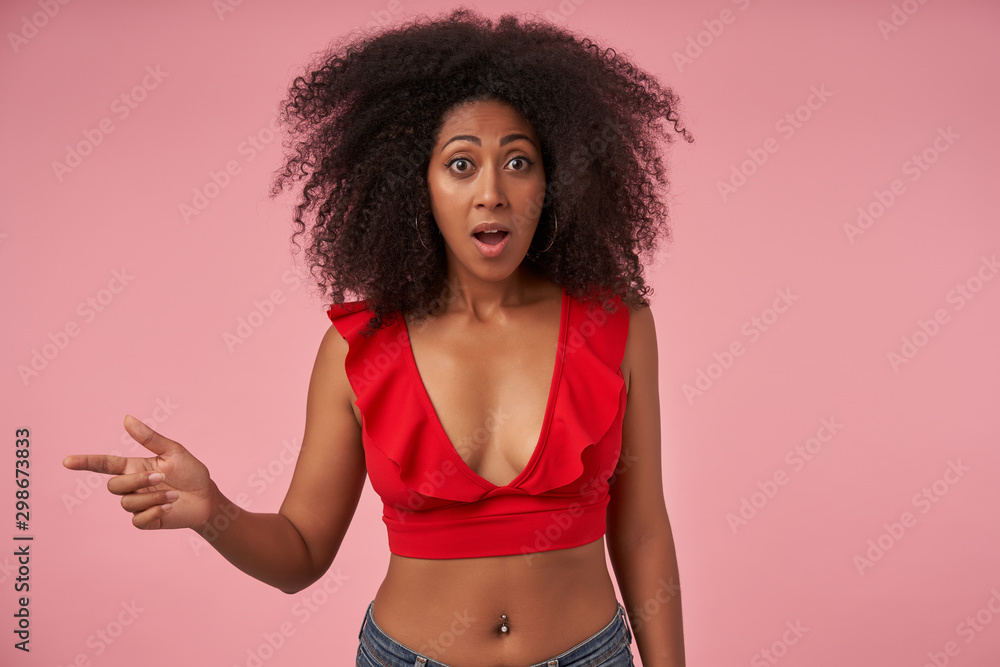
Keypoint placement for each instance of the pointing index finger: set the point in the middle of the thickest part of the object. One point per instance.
(106, 464)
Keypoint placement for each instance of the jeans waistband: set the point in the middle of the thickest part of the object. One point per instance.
(588, 652)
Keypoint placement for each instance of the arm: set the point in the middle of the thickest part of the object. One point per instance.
(640, 542)
(293, 548)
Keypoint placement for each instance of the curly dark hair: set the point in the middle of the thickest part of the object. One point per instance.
(365, 117)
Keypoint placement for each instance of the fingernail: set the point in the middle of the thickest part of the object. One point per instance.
(173, 495)
(157, 477)
(167, 507)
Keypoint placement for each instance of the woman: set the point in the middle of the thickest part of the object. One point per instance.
(487, 189)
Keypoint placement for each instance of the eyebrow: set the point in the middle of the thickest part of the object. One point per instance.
(503, 142)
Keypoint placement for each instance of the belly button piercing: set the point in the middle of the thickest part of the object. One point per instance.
(503, 623)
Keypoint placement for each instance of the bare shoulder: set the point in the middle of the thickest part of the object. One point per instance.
(640, 318)
(332, 355)
(640, 348)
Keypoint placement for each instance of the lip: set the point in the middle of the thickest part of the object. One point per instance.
(488, 226)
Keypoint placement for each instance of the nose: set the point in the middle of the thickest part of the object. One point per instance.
(489, 189)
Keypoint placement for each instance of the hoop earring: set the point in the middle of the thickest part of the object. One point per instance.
(419, 238)
(555, 229)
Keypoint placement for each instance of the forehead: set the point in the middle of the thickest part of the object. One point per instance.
(484, 115)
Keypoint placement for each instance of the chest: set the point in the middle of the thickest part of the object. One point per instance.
(490, 387)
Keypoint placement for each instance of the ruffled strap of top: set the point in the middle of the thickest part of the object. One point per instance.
(394, 418)
(588, 401)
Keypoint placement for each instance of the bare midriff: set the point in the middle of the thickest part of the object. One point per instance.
(451, 609)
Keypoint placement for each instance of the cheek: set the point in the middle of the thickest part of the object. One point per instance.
(531, 200)
(444, 195)
(537, 191)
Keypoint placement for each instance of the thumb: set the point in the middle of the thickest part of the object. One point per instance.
(147, 437)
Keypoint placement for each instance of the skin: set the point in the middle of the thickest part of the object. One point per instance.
(553, 600)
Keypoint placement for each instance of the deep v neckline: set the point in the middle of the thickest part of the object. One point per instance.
(451, 451)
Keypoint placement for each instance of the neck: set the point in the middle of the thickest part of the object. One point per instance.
(483, 299)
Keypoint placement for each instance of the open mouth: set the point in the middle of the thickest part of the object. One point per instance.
(491, 237)
(491, 242)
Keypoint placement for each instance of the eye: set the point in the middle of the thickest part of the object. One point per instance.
(522, 158)
(458, 159)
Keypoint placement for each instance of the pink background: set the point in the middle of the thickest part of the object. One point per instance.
(156, 349)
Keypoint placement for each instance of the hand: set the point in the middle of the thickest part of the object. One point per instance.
(182, 499)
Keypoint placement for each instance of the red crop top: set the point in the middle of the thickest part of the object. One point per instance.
(434, 504)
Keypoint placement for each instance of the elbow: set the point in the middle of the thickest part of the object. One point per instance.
(293, 587)
(299, 585)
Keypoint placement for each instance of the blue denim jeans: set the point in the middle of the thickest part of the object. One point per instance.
(610, 647)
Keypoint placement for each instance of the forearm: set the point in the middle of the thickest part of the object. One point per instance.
(649, 582)
(264, 545)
